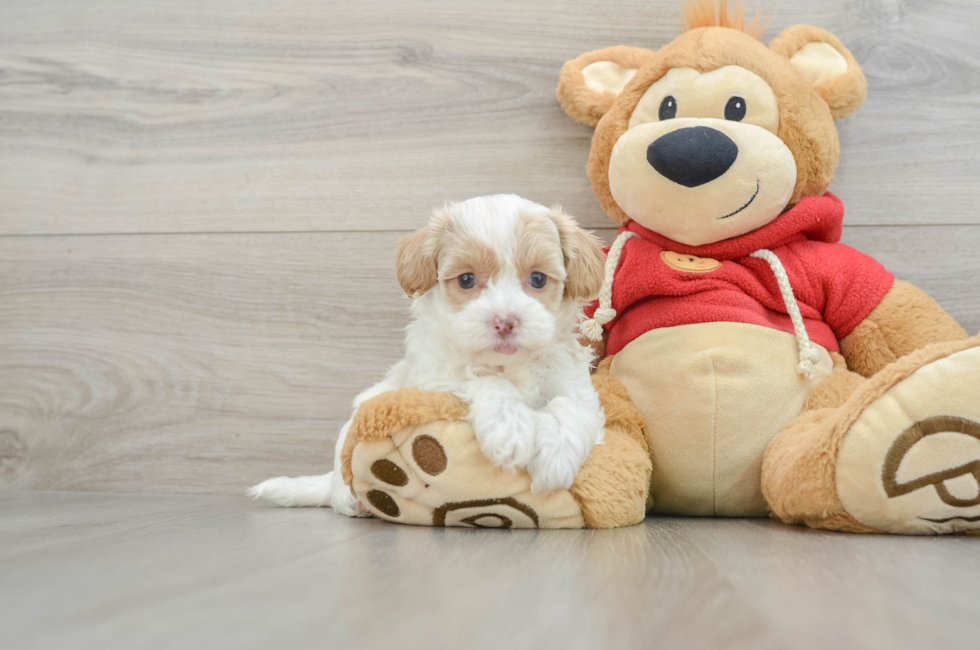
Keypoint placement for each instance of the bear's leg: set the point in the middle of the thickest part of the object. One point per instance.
(613, 485)
(410, 457)
(798, 467)
(901, 454)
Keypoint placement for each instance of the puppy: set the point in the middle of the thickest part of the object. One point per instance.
(498, 285)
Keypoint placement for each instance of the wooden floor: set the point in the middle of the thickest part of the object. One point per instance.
(199, 202)
(111, 571)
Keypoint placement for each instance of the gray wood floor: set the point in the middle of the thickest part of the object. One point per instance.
(111, 571)
(199, 201)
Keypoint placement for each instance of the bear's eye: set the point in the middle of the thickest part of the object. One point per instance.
(668, 108)
(734, 109)
(538, 280)
(466, 281)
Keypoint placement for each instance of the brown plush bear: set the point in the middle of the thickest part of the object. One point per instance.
(754, 365)
(777, 370)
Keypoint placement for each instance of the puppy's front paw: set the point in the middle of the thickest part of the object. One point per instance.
(506, 434)
(556, 460)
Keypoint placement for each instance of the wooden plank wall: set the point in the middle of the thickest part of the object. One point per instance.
(199, 201)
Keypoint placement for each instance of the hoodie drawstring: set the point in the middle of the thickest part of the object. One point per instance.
(592, 327)
(809, 354)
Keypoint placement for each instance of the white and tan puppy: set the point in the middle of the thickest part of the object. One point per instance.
(498, 284)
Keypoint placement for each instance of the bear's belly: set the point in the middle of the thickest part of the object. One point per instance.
(713, 396)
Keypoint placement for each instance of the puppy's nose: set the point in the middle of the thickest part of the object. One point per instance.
(504, 324)
(692, 156)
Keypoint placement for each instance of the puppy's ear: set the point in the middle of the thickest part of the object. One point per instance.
(415, 262)
(591, 83)
(584, 260)
(827, 64)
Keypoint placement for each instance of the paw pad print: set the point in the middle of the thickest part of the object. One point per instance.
(965, 476)
(435, 475)
(387, 472)
(430, 458)
(383, 502)
(486, 513)
(429, 455)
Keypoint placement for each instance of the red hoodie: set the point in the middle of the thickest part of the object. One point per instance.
(836, 286)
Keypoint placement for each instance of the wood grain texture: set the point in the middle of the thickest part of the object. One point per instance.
(233, 116)
(116, 571)
(256, 163)
(204, 363)
(161, 360)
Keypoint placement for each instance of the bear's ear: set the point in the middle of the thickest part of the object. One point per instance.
(591, 83)
(830, 67)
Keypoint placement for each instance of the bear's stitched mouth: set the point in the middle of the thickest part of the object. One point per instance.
(744, 206)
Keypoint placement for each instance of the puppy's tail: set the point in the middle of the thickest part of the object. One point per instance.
(299, 492)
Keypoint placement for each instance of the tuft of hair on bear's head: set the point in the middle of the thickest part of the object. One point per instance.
(709, 13)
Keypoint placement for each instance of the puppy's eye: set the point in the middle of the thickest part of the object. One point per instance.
(668, 108)
(467, 280)
(538, 280)
(735, 109)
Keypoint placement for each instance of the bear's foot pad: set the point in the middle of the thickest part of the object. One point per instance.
(910, 462)
(410, 457)
(434, 474)
(408, 468)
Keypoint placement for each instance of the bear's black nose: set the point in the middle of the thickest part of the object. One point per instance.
(692, 156)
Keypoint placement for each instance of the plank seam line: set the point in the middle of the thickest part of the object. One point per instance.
(347, 232)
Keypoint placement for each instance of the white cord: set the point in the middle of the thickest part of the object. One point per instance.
(592, 327)
(809, 354)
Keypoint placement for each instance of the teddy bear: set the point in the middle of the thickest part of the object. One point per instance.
(752, 365)
(777, 370)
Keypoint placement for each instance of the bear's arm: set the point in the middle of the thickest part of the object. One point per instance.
(905, 320)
